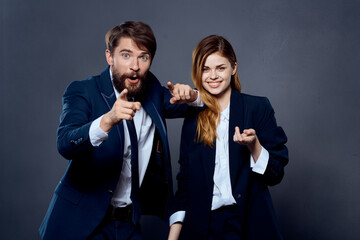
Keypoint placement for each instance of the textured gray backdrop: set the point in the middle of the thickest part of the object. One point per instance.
(303, 55)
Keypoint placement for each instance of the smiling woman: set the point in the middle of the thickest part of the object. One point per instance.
(210, 58)
(216, 78)
(230, 153)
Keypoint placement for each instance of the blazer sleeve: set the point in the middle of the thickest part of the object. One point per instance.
(273, 138)
(181, 195)
(161, 98)
(173, 110)
(73, 131)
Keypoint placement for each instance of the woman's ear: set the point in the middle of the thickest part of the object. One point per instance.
(234, 68)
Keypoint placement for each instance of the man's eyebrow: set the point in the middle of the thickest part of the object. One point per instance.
(144, 52)
(129, 51)
(126, 50)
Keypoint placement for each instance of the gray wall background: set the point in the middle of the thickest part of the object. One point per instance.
(302, 55)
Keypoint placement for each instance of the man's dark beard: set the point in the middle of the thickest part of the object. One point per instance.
(138, 93)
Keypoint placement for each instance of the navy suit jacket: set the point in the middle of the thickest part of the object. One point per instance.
(250, 190)
(83, 195)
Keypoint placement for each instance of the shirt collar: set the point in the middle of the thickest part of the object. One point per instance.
(112, 79)
(225, 113)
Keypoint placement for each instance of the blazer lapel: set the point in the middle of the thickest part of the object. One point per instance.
(237, 118)
(105, 86)
(150, 109)
(208, 162)
(108, 94)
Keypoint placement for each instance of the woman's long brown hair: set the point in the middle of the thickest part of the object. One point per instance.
(208, 119)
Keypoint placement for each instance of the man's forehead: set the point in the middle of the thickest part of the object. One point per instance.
(126, 43)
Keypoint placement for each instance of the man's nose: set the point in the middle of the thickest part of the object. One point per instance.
(135, 65)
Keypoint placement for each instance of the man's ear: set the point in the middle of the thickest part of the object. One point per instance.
(109, 57)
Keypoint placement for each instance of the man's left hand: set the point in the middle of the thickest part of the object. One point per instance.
(181, 93)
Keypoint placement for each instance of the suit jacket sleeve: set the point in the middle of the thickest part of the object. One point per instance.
(181, 196)
(273, 139)
(176, 110)
(173, 110)
(73, 132)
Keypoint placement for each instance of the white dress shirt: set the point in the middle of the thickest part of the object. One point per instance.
(145, 130)
(222, 191)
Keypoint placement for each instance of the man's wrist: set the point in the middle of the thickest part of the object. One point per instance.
(195, 96)
(106, 123)
(197, 102)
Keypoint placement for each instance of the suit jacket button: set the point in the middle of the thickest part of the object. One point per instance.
(110, 192)
(238, 195)
(72, 142)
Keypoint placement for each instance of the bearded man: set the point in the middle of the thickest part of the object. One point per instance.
(113, 133)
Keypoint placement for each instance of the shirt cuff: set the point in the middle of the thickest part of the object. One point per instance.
(260, 165)
(198, 102)
(178, 216)
(96, 134)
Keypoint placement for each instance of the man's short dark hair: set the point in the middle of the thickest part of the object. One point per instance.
(139, 32)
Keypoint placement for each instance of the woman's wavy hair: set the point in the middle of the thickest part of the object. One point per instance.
(208, 119)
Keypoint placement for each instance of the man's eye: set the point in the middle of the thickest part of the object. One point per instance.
(144, 58)
(125, 55)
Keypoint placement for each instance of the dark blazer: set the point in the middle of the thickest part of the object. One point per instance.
(250, 190)
(84, 193)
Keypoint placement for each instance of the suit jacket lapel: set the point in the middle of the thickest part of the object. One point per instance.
(108, 94)
(150, 109)
(208, 161)
(237, 118)
(105, 86)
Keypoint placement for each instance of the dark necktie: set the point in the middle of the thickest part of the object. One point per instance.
(134, 171)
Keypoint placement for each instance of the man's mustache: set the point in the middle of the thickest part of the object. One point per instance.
(133, 75)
